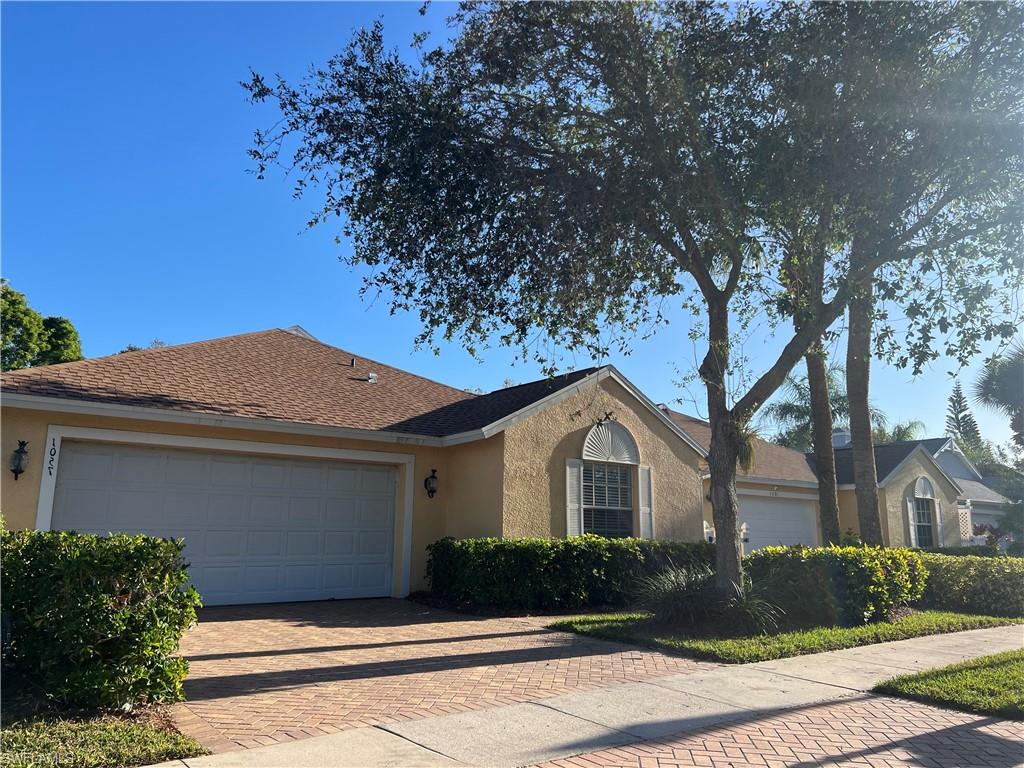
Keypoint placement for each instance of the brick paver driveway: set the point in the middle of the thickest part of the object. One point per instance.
(868, 730)
(269, 673)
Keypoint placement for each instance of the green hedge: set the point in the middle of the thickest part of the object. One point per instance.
(826, 586)
(983, 550)
(988, 585)
(550, 574)
(96, 620)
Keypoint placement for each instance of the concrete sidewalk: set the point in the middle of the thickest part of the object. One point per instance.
(592, 720)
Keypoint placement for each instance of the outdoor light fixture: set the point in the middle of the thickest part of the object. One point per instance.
(19, 458)
(430, 483)
(745, 533)
(709, 532)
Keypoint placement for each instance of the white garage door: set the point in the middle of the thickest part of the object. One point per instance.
(773, 521)
(257, 529)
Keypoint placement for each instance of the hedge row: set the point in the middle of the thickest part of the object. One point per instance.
(826, 586)
(988, 585)
(550, 574)
(96, 620)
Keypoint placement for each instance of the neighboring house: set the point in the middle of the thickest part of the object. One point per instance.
(979, 503)
(778, 497)
(297, 471)
(919, 500)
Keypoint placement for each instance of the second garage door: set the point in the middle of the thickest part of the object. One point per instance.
(773, 521)
(257, 529)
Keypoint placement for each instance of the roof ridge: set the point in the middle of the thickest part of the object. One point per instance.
(586, 371)
(315, 340)
(136, 352)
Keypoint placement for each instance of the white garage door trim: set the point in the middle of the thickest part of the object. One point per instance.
(801, 506)
(405, 461)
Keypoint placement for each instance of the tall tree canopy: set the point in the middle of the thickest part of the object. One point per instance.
(558, 172)
(1001, 388)
(960, 422)
(29, 338)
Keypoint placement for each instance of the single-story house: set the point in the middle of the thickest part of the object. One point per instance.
(297, 471)
(919, 500)
(979, 503)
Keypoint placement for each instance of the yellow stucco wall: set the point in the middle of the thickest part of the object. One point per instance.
(474, 495)
(899, 488)
(19, 499)
(536, 450)
(892, 501)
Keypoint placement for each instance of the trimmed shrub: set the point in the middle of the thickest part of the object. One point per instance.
(826, 586)
(983, 550)
(551, 574)
(97, 619)
(993, 586)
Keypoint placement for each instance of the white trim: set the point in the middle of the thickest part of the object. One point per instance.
(775, 495)
(56, 434)
(645, 493)
(605, 372)
(116, 410)
(768, 480)
(952, 445)
(925, 452)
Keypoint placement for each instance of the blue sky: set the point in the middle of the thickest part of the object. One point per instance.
(127, 205)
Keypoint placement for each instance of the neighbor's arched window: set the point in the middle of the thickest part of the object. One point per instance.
(602, 482)
(922, 514)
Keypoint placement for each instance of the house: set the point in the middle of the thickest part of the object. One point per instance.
(778, 495)
(919, 500)
(297, 471)
(979, 503)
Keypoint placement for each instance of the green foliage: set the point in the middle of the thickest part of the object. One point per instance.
(750, 611)
(838, 585)
(678, 596)
(897, 433)
(551, 574)
(992, 685)
(30, 339)
(1000, 387)
(960, 422)
(989, 585)
(96, 620)
(985, 550)
(639, 629)
(89, 741)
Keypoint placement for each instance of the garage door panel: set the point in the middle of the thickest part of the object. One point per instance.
(255, 529)
(776, 521)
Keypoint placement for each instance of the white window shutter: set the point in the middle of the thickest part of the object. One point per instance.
(646, 515)
(573, 497)
(913, 524)
(938, 523)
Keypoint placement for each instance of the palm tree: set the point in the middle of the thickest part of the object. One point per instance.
(899, 432)
(793, 417)
(1001, 388)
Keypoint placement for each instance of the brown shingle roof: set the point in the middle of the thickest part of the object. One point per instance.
(279, 374)
(770, 460)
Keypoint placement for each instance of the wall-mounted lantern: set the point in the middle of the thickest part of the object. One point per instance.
(430, 483)
(745, 533)
(709, 533)
(19, 459)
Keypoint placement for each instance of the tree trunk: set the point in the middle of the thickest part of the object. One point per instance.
(858, 369)
(824, 458)
(723, 452)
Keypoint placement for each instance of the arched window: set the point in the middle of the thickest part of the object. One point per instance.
(602, 484)
(922, 519)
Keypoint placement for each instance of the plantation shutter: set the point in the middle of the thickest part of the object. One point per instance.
(573, 497)
(913, 523)
(938, 522)
(646, 516)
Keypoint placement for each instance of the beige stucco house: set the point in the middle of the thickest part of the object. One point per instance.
(297, 471)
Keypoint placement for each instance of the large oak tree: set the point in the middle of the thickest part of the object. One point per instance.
(556, 173)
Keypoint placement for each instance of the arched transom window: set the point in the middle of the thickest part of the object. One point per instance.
(603, 484)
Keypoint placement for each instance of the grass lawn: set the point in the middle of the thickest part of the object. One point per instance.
(638, 628)
(92, 740)
(991, 685)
